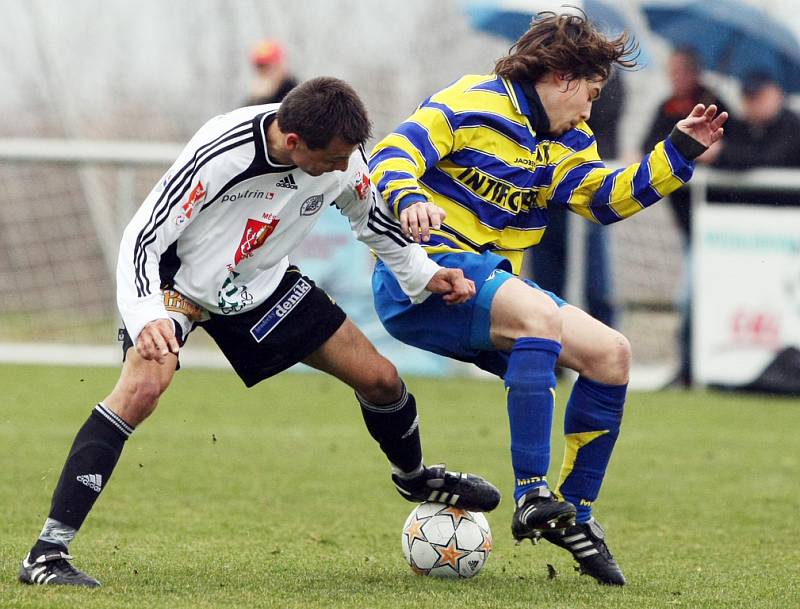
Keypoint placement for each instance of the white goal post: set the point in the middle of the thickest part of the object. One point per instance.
(123, 157)
(64, 206)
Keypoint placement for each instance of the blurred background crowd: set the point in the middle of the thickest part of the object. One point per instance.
(151, 71)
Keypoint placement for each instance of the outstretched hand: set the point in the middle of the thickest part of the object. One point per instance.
(703, 124)
(417, 219)
(452, 284)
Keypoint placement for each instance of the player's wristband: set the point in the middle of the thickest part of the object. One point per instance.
(689, 147)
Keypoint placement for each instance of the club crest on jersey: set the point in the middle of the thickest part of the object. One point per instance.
(362, 185)
(255, 233)
(195, 197)
(311, 205)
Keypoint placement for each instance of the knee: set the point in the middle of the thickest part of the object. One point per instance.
(617, 361)
(146, 393)
(381, 384)
(135, 401)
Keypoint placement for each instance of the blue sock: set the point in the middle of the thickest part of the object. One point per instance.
(591, 427)
(530, 382)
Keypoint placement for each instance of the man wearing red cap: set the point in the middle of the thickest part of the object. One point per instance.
(272, 80)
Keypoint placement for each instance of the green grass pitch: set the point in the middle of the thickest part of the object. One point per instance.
(277, 497)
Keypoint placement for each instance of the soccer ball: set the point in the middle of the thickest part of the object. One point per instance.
(445, 541)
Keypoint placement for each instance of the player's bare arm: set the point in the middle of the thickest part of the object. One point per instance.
(451, 283)
(704, 124)
(156, 340)
(417, 219)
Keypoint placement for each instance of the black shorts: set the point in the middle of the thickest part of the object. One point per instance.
(296, 320)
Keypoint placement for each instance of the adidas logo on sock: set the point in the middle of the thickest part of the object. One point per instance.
(93, 481)
(287, 182)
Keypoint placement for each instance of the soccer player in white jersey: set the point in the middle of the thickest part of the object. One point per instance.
(209, 247)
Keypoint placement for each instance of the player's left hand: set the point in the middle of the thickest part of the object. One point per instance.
(452, 284)
(417, 219)
(704, 124)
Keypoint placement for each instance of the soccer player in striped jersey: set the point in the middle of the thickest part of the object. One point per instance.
(209, 247)
(495, 151)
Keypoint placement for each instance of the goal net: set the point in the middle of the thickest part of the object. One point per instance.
(65, 206)
(61, 213)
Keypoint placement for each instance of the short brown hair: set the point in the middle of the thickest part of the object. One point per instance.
(568, 44)
(322, 109)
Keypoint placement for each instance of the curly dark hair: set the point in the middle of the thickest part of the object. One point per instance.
(569, 44)
(322, 109)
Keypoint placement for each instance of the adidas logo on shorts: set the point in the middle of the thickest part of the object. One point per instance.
(93, 481)
(287, 182)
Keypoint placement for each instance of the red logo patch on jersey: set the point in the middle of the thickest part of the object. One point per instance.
(362, 185)
(196, 196)
(255, 233)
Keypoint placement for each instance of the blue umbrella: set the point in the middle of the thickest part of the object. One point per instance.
(512, 18)
(729, 37)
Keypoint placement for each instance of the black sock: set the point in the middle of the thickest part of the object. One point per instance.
(396, 428)
(91, 460)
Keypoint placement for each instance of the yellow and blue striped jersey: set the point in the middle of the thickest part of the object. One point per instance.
(472, 149)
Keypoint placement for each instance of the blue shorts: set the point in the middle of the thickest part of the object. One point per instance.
(457, 331)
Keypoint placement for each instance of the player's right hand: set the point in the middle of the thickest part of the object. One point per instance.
(156, 340)
(451, 283)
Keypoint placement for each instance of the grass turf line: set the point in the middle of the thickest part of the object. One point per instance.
(277, 497)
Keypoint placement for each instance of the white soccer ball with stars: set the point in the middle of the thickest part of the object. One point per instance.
(445, 541)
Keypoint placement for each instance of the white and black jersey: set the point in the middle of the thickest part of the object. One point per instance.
(220, 224)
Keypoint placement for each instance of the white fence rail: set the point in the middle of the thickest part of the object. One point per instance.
(93, 188)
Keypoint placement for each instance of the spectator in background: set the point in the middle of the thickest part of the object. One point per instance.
(549, 259)
(767, 134)
(272, 80)
(684, 71)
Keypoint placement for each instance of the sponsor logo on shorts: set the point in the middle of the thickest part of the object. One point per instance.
(311, 205)
(498, 274)
(280, 310)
